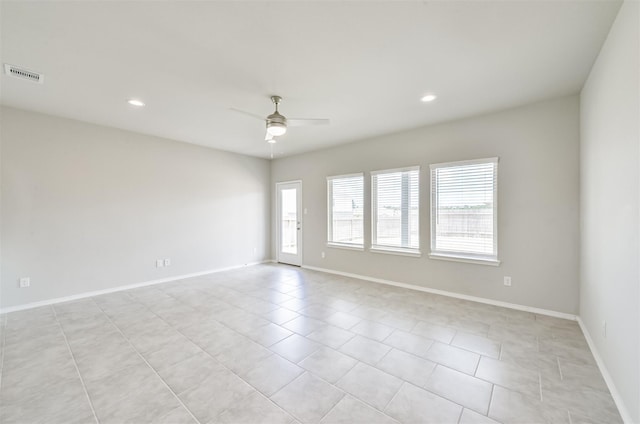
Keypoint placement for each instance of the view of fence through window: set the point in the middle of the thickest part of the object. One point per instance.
(346, 209)
(462, 199)
(396, 208)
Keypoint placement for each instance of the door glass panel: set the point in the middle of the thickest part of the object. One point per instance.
(289, 239)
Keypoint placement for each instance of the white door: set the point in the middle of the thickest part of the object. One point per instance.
(289, 222)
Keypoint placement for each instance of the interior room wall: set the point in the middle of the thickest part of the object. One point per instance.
(87, 208)
(537, 203)
(610, 220)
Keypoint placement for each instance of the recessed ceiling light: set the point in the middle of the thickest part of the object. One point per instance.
(135, 102)
(428, 98)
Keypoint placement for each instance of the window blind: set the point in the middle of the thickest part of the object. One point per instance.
(463, 209)
(395, 208)
(346, 206)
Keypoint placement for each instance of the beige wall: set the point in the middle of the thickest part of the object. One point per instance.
(610, 213)
(538, 203)
(87, 208)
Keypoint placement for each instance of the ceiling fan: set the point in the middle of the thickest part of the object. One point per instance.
(277, 123)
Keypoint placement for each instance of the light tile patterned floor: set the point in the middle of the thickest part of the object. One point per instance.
(278, 344)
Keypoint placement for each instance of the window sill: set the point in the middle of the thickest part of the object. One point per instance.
(346, 246)
(396, 251)
(467, 259)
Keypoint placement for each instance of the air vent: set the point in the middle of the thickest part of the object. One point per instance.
(22, 73)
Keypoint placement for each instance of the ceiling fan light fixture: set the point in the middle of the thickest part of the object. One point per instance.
(276, 129)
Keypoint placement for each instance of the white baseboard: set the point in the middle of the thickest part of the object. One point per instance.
(121, 288)
(531, 309)
(624, 412)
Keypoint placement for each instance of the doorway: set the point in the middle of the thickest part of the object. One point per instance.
(289, 206)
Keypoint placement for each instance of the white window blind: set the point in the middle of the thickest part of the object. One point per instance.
(395, 209)
(345, 200)
(464, 209)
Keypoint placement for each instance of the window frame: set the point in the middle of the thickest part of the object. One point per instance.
(381, 248)
(464, 256)
(330, 242)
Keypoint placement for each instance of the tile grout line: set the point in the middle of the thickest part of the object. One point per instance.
(3, 326)
(493, 389)
(344, 395)
(333, 407)
(394, 397)
(559, 367)
(475, 371)
(431, 374)
(540, 385)
(426, 389)
(460, 416)
(383, 356)
(145, 361)
(75, 364)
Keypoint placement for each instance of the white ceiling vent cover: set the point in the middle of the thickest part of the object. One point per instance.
(25, 74)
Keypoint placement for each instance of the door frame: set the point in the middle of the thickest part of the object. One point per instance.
(279, 220)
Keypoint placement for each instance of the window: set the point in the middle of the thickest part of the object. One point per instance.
(345, 200)
(395, 210)
(464, 210)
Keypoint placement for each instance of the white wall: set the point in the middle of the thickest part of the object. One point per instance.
(87, 208)
(610, 220)
(538, 203)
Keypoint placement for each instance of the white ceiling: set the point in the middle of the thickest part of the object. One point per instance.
(364, 65)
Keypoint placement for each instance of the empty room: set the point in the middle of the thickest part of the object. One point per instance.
(325, 212)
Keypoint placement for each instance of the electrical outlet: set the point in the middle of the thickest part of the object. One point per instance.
(507, 281)
(322, 254)
(24, 282)
(167, 262)
(159, 263)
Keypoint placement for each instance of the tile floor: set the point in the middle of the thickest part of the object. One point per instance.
(278, 344)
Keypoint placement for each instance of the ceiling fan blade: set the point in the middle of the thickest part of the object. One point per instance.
(252, 115)
(269, 138)
(299, 122)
